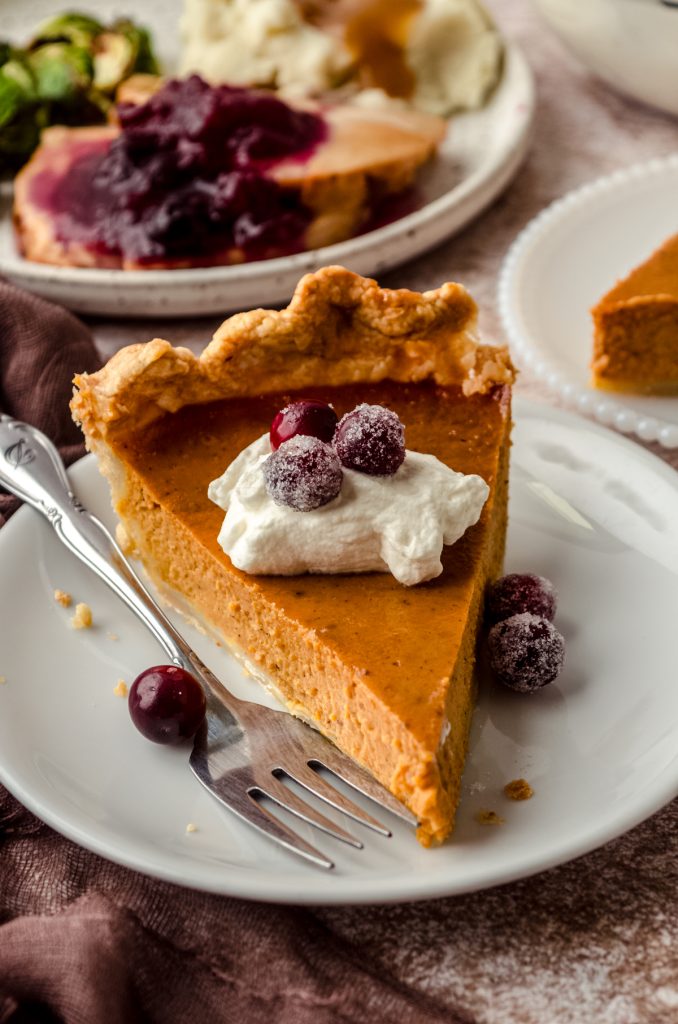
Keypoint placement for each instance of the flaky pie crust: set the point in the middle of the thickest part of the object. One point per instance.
(339, 328)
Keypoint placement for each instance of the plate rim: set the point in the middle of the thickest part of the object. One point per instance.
(466, 200)
(607, 408)
(348, 891)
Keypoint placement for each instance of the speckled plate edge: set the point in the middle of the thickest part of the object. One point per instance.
(219, 289)
(532, 355)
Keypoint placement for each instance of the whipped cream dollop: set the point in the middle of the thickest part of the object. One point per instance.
(394, 524)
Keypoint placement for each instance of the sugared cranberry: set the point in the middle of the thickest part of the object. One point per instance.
(308, 417)
(303, 473)
(167, 704)
(371, 439)
(521, 592)
(526, 652)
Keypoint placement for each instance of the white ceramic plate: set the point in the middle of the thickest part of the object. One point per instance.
(479, 157)
(589, 509)
(563, 262)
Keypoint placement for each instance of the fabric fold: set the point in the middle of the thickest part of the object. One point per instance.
(41, 347)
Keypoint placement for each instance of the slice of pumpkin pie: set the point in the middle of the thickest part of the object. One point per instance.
(384, 669)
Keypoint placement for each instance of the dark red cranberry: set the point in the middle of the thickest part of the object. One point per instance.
(304, 473)
(371, 439)
(167, 704)
(314, 419)
(526, 652)
(521, 592)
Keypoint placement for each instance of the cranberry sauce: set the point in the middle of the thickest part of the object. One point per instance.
(186, 178)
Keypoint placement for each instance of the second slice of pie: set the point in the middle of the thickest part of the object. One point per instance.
(636, 328)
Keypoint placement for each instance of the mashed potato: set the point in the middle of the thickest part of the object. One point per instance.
(260, 42)
(455, 53)
(453, 49)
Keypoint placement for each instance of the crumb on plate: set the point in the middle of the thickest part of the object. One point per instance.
(112, 636)
(489, 818)
(518, 789)
(83, 616)
(62, 598)
(3, 680)
(120, 688)
(191, 827)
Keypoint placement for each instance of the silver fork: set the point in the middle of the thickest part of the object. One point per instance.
(243, 752)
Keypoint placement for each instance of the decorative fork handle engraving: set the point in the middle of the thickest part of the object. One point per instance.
(19, 454)
(31, 468)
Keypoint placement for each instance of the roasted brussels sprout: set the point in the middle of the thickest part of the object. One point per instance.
(113, 60)
(62, 71)
(20, 120)
(122, 50)
(16, 69)
(67, 75)
(79, 29)
(140, 38)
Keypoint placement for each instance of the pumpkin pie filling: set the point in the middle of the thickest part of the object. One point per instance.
(636, 328)
(384, 670)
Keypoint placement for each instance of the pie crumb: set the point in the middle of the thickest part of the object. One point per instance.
(191, 827)
(83, 616)
(3, 680)
(120, 689)
(489, 818)
(519, 789)
(112, 636)
(62, 598)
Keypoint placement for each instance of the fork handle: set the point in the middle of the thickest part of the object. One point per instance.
(32, 469)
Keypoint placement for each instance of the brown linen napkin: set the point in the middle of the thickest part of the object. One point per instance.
(41, 347)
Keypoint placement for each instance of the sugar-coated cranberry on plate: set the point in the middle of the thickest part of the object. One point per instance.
(526, 652)
(303, 473)
(371, 439)
(521, 592)
(167, 704)
(306, 416)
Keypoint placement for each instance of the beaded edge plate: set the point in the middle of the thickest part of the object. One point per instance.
(566, 258)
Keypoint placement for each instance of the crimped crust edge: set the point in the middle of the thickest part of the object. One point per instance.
(339, 328)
